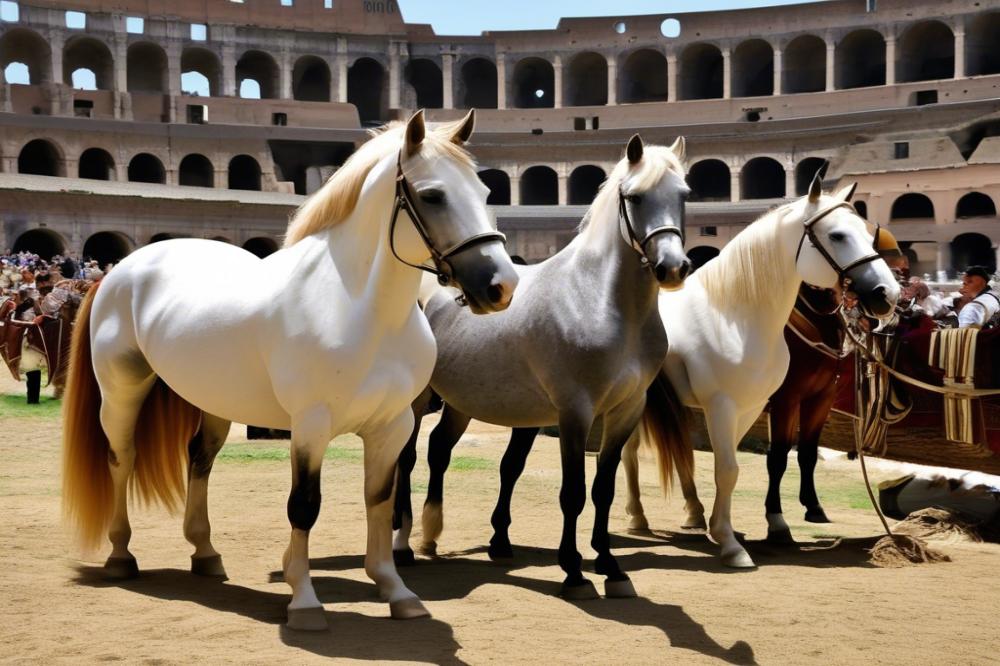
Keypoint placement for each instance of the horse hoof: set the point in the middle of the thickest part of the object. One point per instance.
(738, 559)
(579, 591)
(307, 619)
(619, 589)
(502, 552)
(429, 548)
(121, 568)
(403, 558)
(638, 524)
(780, 537)
(407, 609)
(695, 524)
(208, 566)
(817, 515)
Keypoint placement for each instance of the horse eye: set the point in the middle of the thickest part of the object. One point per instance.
(837, 236)
(433, 197)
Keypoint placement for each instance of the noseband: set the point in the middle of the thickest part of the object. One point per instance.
(810, 233)
(442, 267)
(628, 231)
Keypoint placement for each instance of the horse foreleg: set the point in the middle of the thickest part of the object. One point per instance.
(782, 421)
(202, 450)
(382, 448)
(694, 510)
(442, 440)
(633, 506)
(815, 413)
(722, 420)
(574, 428)
(402, 517)
(511, 466)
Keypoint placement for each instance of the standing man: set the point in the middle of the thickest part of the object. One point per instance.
(984, 304)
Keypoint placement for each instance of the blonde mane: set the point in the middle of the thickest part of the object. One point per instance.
(656, 162)
(335, 201)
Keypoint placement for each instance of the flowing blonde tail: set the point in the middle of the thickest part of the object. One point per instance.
(665, 429)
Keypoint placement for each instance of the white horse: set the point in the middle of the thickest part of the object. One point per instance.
(323, 337)
(727, 347)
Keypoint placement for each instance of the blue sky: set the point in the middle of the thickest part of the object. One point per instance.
(470, 17)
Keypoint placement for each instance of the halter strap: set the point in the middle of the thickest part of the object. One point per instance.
(628, 231)
(809, 232)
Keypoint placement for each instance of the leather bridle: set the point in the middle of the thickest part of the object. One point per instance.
(628, 231)
(810, 233)
(442, 267)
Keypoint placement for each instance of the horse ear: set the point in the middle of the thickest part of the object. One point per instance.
(847, 193)
(634, 149)
(415, 132)
(680, 148)
(815, 189)
(465, 128)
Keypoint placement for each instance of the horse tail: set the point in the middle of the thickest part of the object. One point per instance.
(87, 489)
(665, 429)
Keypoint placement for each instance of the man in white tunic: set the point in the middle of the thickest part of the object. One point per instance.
(985, 303)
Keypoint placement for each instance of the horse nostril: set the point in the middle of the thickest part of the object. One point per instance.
(685, 269)
(495, 293)
(661, 272)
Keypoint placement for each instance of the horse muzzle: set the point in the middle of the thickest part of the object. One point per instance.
(876, 296)
(668, 262)
(486, 276)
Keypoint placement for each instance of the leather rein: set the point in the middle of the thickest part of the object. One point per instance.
(628, 231)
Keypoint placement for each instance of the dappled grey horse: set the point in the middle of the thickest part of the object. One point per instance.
(582, 341)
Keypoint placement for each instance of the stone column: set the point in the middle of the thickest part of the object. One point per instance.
(789, 181)
(515, 189)
(394, 75)
(890, 61)
(778, 71)
(612, 81)
(447, 74)
(285, 75)
(671, 77)
(174, 80)
(557, 93)
(943, 259)
(502, 83)
(734, 184)
(229, 70)
(56, 41)
(960, 51)
(340, 70)
(563, 188)
(727, 74)
(831, 63)
(120, 50)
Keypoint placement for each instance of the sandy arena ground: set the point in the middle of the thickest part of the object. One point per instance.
(820, 603)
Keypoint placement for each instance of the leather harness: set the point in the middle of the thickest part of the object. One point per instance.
(810, 233)
(628, 231)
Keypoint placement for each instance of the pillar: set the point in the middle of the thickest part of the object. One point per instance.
(228, 70)
(394, 75)
(671, 77)
(943, 260)
(831, 61)
(790, 181)
(502, 85)
(120, 65)
(515, 188)
(563, 188)
(339, 69)
(890, 61)
(285, 75)
(56, 41)
(960, 52)
(734, 184)
(778, 70)
(447, 69)
(727, 73)
(612, 81)
(557, 93)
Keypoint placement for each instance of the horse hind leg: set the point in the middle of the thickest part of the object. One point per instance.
(202, 450)
(633, 507)
(511, 467)
(402, 516)
(817, 411)
(783, 422)
(442, 440)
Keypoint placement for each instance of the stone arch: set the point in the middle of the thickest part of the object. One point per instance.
(981, 53)
(196, 60)
(531, 77)
(479, 84)
(196, 170)
(539, 187)
(972, 249)
(30, 49)
(366, 81)
(701, 255)
(260, 67)
(805, 171)
(261, 246)
(804, 65)
(975, 204)
(162, 236)
(96, 164)
(426, 82)
(862, 208)
(584, 183)
(41, 157)
(108, 247)
(244, 173)
(925, 52)
(146, 168)
(46, 243)
(912, 206)
(700, 74)
(84, 52)
(311, 79)
(586, 80)
(499, 183)
(710, 180)
(753, 69)
(859, 60)
(643, 77)
(762, 178)
(146, 65)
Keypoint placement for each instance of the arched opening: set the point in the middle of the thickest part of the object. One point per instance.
(260, 68)
(539, 187)
(981, 53)
(643, 77)
(40, 158)
(862, 209)
(426, 84)
(197, 171)
(753, 69)
(859, 60)
(43, 242)
(261, 246)
(973, 250)
(89, 54)
(107, 247)
(584, 183)
(96, 164)
(701, 72)
(499, 183)
(479, 84)
(19, 45)
(534, 84)
(926, 52)
(146, 168)
(912, 206)
(146, 68)
(201, 72)
(365, 89)
(156, 238)
(806, 170)
(311, 80)
(762, 178)
(975, 204)
(805, 65)
(244, 173)
(586, 80)
(701, 255)
(709, 180)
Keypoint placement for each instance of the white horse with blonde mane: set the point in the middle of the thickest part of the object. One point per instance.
(727, 348)
(160, 366)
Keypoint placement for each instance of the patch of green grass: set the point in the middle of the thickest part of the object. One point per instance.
(248, 453)
(15, 405)
(467, 463)
(853, 496)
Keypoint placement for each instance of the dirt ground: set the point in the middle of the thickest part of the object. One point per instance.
(819, 603)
